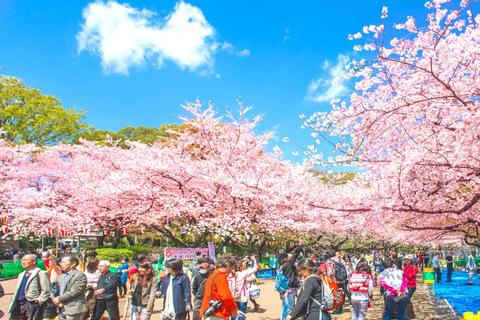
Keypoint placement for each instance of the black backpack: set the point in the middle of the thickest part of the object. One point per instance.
(340, 271)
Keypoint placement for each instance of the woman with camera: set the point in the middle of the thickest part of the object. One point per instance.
(310, 297)
(176, 289)
(218, 300)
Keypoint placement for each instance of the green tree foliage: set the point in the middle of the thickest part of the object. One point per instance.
(334, 177)
(28, 116)
(147, 135)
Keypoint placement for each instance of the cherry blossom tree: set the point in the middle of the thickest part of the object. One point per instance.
(412, 123)
(214, 176)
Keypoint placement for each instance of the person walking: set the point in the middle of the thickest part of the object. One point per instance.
(106, 293)
(470, 266)
(176, 289)
(336, 269)
(274, 264)
(450, 266)
(198, 286)
(143, 291)
(33, 289)
(287, 267)
(83, 259)
(395, 285)
(92, 274)
(349, 268)
(123, 270)
(217, 289)
(425, 259)
(437, 268)
(71, 301)
(361, 288)
(309, 300)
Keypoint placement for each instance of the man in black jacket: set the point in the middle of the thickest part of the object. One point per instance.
(198, 285)
(106, 294)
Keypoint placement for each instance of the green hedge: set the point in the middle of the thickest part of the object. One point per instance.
(13, 269)
(463, 262)
(138, 250)
(114, 255)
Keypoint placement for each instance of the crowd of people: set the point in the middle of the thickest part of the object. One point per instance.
(84, 287)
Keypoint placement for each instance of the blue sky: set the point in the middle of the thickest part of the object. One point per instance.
(134, 63)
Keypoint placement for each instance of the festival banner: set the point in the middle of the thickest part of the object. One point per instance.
(184, 253)
(211, 250)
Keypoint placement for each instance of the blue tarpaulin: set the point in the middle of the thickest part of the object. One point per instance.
(462, 297)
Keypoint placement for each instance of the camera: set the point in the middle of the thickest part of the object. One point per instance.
(214, 306)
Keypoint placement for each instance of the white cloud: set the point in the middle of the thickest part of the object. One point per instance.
(231, 50)
(323, 89)
(243, 53)
(126, 37)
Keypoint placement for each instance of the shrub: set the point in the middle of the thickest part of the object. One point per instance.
(138, 250)
(114, 255)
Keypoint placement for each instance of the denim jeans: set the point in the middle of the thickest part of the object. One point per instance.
(439, 274)
(242, 306)
(287, 304)
(133, 312)
(391, 306)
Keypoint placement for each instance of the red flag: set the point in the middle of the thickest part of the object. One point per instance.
(7, 220)
(5, 229)
(125, 230)
(142, 230)
(105, 232)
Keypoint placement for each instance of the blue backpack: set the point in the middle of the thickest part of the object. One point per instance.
(281, 282)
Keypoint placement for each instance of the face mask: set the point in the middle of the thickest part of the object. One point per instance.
(203, 271)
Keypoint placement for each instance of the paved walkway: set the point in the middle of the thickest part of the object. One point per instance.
(270, 304)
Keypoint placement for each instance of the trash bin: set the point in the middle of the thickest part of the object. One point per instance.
(429, 275)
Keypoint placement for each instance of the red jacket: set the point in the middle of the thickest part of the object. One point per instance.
(411, 274)
(221, 292)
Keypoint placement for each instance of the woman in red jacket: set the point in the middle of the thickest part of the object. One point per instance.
(410, 272)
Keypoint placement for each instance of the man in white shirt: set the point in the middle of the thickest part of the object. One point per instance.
(436, 267)
(470, 267)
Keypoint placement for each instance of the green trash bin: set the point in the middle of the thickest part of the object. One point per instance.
(428, 275)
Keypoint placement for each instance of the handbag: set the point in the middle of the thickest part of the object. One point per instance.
(409, 311)
(254, 291)
(50, 310)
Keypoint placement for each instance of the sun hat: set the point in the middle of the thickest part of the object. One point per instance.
(409, 256)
